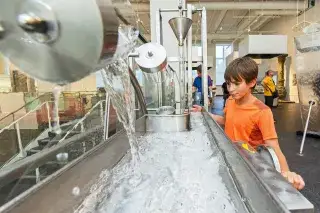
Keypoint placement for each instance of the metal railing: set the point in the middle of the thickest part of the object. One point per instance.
(22, 153)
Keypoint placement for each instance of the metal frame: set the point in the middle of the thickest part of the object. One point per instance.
(189, 87)
(187, 84)
(204, 57)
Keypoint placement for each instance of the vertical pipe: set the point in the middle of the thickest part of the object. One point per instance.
(101, 112)
(311, 103)
(189, 7)
(49, 117)
(106, 118)
(181, 78)
(22, 152)
(37, 175)
(204, 57)
(161, 89)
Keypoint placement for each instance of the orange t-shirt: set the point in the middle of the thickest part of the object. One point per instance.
(252, 123)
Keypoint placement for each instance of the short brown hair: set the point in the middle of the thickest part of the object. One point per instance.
(199, 68)
(241, 68)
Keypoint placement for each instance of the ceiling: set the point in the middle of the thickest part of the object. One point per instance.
(230, 21)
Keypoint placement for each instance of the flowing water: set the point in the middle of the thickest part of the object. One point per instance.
(117, 84)
(180, 173)
(56, 118)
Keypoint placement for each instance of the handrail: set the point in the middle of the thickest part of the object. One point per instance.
(16, 121)
(81, 120)
(11, 113)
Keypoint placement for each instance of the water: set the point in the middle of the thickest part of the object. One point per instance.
(180, 173)
(117, 84)
(56, 119)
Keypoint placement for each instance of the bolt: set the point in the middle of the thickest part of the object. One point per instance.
(31, 23)
(1, 30)
(150, 54)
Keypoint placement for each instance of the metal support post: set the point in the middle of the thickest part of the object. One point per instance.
(38, 175)
(160, 85)
(101, 112)
(311, 103)
(204, 58)
(106, 118)
(181, 77)
(189, 7)
(49, 117)
(22, 152)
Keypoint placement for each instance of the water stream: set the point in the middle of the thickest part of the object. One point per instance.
(181, 172)
(56, 119)
(117, 84)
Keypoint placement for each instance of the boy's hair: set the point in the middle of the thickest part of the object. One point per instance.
(241, 68)
(199, 68)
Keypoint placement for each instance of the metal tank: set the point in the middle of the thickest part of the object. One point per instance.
(59, 41)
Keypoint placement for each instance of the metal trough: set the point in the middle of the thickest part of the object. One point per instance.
(253, 184)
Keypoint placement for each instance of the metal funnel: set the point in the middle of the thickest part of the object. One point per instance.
(180, 27)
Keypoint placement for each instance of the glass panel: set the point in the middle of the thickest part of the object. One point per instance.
(219, 51)
(227, 50)
(219, 61)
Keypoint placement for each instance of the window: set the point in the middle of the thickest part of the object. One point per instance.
(222, 51)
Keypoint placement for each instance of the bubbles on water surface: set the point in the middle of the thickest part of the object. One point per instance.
(174, 175)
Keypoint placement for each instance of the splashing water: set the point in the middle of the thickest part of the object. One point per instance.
(117, 84)
(56, 118)
(181, 173)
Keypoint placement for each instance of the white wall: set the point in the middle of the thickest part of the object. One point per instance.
(284, 26)
(86, 84)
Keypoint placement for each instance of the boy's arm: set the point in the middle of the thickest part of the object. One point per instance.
(293, 178)
(282, 159)
(218, 118)
(267, 128)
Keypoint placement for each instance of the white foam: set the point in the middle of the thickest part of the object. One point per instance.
(177, 172)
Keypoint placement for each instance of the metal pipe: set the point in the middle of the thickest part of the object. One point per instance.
(247, 5)
(101, 112)
(38, 175)
(181, 78)
(22, 152)
(204, 58)
(189, 15)
(161, 89)
(311, 103)
(106, 118)
(138, 91)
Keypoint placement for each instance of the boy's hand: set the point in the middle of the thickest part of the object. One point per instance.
(196, 108)
(295, 179)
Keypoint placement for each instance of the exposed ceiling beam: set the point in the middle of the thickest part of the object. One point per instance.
(247, 5)
(219, 20)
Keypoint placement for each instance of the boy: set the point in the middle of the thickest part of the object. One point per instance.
(197, 83)
(248, 119)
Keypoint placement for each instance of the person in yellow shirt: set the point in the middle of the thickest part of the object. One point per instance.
(269, 88)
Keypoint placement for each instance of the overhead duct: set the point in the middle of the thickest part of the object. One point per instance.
(263, 46)
(249, 5)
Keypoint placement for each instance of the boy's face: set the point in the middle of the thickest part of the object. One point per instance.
(199, 73)
(239, 89)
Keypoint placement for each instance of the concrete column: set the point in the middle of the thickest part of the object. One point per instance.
(280, 85)
(170, 42)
